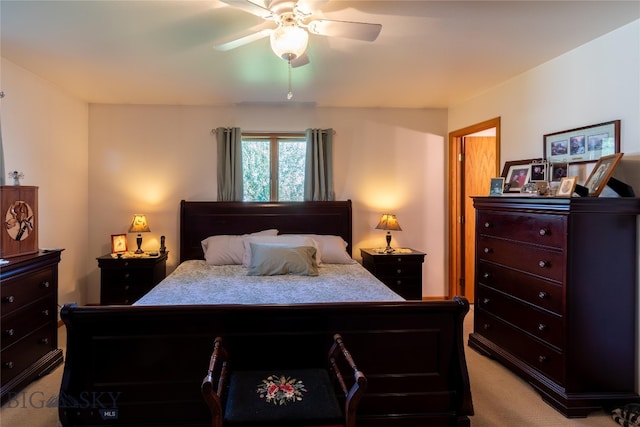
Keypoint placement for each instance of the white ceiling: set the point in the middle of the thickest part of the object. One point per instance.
(430, 54)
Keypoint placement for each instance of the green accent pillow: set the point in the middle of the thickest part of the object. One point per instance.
(270, 259)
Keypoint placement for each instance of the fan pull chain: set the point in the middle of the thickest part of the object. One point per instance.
(290, 93)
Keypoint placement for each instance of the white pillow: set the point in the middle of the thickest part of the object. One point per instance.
(331, 249)
(293, 240)
(226, 249)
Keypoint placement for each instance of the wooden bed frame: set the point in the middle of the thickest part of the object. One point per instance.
(143, 365)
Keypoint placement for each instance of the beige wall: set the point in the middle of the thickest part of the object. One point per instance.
(45, 135)
(145, 159)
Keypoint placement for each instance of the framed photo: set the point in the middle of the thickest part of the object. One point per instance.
(118, 243)
(557, 171)
(539, 171)
(497, 186)
(601, 173)
(585, 144)
(516, 174)
(567, 186)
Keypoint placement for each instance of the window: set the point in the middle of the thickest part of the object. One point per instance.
(273, 166)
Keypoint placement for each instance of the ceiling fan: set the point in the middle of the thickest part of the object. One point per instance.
(293, 23)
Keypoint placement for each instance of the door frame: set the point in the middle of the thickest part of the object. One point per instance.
(456, 205)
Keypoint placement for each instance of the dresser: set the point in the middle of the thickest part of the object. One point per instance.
(125, 280)
(29, 319)
(400, 271)
(555, 296)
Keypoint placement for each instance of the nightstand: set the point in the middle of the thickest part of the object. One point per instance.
(125, 280)
(401, 271)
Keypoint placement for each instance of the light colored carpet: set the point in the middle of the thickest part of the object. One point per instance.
(500, 399)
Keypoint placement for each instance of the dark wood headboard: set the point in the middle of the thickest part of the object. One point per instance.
(199, 220)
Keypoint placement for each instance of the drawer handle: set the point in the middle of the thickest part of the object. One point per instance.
(486, 275)
(126, 263)
(126, 287)
(44, 341)
(543, 232)
(10, 299)
(8, 365)
(45, 284)
(542, 359)
(398, 282)
(399, 259)
(543, 264)
(542, 327)
(126, 275)
(45, 312)
(486, 326)
(543, 295)
(10, 332)
(399, 271)
(486, 301)
(487, 224)
(488, 250)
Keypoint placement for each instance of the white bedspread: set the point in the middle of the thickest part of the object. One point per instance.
(195, 282)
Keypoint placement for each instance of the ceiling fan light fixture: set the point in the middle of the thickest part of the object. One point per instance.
(289, 41)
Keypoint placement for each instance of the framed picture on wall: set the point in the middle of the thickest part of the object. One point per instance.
(584, 144)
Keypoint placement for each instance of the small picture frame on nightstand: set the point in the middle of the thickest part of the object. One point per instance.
(118, 243)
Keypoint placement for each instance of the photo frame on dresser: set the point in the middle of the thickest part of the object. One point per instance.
(118, 243)
(601, 173)
(516, 174)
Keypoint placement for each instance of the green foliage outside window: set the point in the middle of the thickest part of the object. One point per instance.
(257, 169)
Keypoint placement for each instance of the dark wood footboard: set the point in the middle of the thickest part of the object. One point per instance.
(142, 366)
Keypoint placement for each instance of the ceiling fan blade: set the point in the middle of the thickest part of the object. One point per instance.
(351, 30)
(300, 61)
(242, 39)
(251, 7)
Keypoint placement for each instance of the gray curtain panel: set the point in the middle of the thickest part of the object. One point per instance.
(318, 181)
(229, 142)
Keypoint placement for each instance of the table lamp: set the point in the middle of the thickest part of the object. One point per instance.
(388, 222)
(139, 225)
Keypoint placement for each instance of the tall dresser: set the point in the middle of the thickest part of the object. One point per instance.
(29, 322)
(555, 296)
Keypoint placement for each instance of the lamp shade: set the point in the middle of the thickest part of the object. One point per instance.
(388, 222)
(289, 41)
(139, 224)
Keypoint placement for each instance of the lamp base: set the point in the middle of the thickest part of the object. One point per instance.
(389, 249)
(139, 243)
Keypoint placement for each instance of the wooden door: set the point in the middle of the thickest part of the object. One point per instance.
(479, 166)
(473, 161)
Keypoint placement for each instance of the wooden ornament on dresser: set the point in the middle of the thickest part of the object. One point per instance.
(19, 210)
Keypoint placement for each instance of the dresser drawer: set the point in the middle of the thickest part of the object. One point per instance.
(531, 259)
(536, 354)
(539, 323)
(121, 294)
(127, 276)
(399, 270)
(23, 289)
(21, 323)
(21, 355)
(538, 229)
(405, 286)
(537, 291)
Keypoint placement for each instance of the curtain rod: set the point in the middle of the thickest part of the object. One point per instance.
(214, 131)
